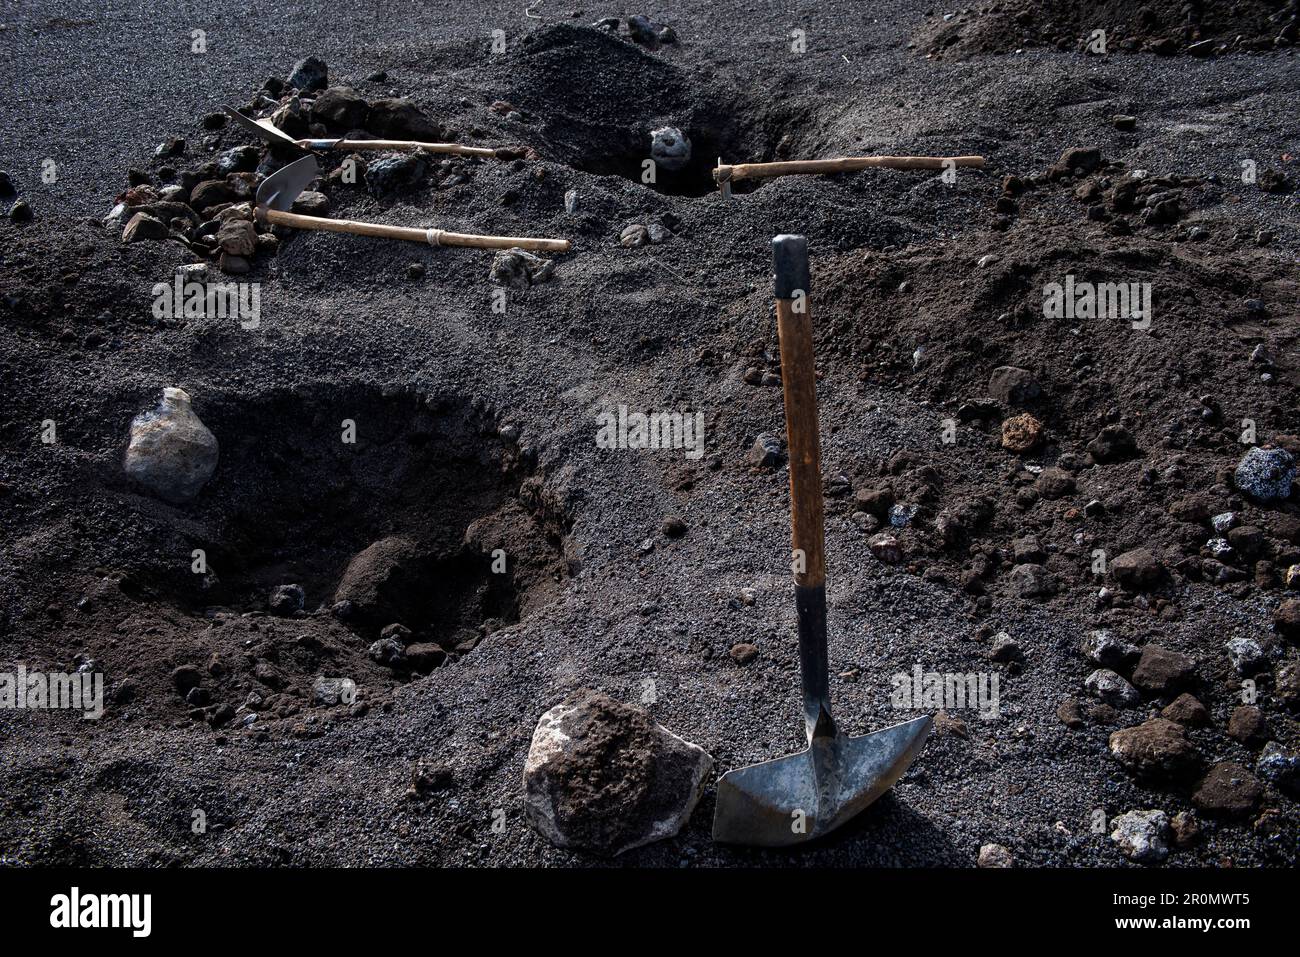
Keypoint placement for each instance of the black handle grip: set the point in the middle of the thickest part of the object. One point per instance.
(790, 257)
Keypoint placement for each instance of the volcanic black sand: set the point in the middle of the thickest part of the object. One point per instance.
(476, 429)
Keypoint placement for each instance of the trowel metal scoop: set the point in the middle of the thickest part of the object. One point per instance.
(273, 134)
(798, 798)
(278, 191)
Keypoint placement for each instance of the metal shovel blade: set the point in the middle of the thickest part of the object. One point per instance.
(281, 188)
(798, 798)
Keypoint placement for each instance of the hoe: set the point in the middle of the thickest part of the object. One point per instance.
(798, 798)
(274, 135)
(278, 191)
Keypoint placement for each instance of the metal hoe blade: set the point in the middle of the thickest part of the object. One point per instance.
(798, 798)
(265, 129)
(281, 188)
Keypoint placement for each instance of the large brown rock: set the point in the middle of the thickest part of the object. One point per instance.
(1136, 570)
(1157, 750)
(1286, 619)
(1248, 726)
(1084, 159)
(1013, 386)
(237, 237)
(401, 119)
(1031, 581)
(1228, 789)
(602, 776)
(1054, 483)
(382, 583)
(212, 192)
(1021, 433)
(341, 108)
(143, 226)
(1187, 711)
(424, 656)
(1161, 671)
(1113, 444)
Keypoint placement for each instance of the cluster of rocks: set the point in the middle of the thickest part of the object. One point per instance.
(1239, 541)
(1123, 199)
(641, 29)
(383, 583)
(1160, 753)
(188, 681)
(1111, 195)
(1246, 535)
(652, 233)
(207, 206)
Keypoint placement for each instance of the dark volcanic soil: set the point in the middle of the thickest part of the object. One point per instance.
(1162, 27)
(476, 428)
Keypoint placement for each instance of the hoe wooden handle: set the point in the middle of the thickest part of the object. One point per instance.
(455, 148)
(807, 522)
(842, 164)
(434, 237)
(799, 382)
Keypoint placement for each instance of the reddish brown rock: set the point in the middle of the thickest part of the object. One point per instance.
(1157, 750)
(1021, 433)
(1136, 570)
(1161, 671)
(1229, 790)
(1248, 726)
(1187, 711)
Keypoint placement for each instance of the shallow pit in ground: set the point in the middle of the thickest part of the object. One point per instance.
(307, 482)
(340, 516)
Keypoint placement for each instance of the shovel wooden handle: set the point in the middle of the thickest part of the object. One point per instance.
(807, 520)
(434, 237)
(455, 148)
(844, 164)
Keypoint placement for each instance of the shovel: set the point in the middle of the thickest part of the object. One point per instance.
(274, 135)
(278, 191)
(795, 799)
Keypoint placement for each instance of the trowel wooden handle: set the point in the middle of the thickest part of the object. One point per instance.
(434, 237)
(455, 148)
(842, 164)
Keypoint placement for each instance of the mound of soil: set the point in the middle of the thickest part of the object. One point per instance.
(1138, 425)
(598, 97)
(1161, 26)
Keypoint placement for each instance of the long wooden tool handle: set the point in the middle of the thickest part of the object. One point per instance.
(807, 522)
(843, 164)
(434, 237)
(455, 148)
